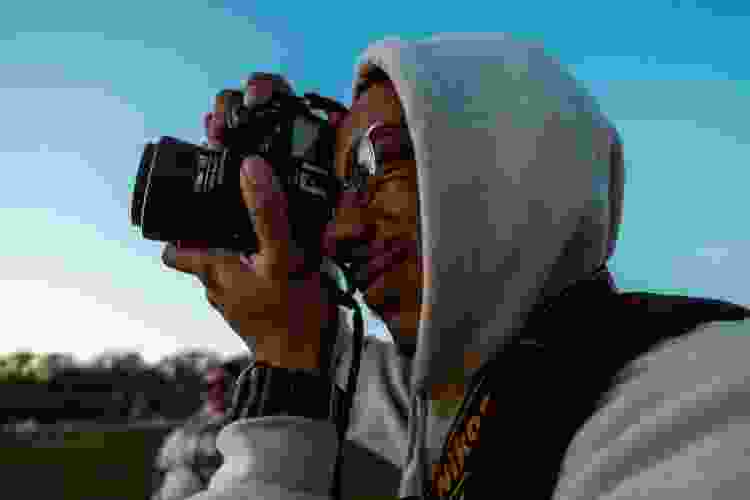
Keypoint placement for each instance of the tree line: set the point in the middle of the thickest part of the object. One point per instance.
(114, 387)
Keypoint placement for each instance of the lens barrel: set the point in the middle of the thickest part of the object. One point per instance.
(141, 180)
(187, 192)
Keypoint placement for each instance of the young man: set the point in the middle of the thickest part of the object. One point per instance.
(484, 253)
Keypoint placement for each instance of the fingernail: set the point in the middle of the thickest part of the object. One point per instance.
(247, 262)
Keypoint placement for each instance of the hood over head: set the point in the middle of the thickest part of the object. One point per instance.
(519, 195)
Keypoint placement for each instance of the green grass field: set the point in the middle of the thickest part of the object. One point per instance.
(91, 464)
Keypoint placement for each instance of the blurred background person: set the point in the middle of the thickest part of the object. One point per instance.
(188, 458)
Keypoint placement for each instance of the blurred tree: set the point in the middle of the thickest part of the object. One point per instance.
(187, 363)
(22, 367)
(121, 361)
(115, 386)
(56, 362)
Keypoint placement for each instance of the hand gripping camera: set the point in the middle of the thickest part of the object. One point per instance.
(192, 193)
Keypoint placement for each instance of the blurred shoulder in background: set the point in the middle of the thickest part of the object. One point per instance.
(188, 457)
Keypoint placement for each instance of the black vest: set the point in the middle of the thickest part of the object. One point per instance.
(546, 389)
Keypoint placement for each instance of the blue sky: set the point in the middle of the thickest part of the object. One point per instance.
(83, 83)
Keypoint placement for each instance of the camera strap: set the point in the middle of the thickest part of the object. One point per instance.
(262, 390)
(343, 406)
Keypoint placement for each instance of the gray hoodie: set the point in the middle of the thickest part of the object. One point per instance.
(519, 200)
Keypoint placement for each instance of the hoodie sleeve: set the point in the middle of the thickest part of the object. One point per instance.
(179, 483)
(288, 457)
(677, 429)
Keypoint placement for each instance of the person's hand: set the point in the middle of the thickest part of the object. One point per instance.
(255, 295)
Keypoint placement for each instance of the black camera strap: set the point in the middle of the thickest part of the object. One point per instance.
(344, 407)
(262, 390)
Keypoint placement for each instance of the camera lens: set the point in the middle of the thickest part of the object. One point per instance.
(187, 192)
(141, 181)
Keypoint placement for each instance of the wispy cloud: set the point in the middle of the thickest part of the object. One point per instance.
(714, 254)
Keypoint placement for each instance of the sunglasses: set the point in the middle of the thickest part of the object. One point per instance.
(372, 149)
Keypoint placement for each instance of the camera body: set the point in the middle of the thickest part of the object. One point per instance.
(192, 193)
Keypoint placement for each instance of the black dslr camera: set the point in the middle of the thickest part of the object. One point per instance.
(192, 193)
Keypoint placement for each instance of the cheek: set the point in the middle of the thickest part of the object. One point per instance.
(351, 220)
(396, 195)
(398, 212)
(400, 287)
(343, 134)
(380, 103)
(403, 293)
(412, 283)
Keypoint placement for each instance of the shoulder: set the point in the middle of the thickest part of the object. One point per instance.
(678, 423)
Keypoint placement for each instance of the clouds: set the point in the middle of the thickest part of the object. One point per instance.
(715, 254)
(685, 197)
(69, 256)
(157, 46)
(84, 82)
(62, 274)
(67, 149)
(83, 85)
(47, 319)
(717, 269)
(65, 287)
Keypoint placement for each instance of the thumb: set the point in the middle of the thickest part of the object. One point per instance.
(267, 205)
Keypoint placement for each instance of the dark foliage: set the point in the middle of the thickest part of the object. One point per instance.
(118, 390)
